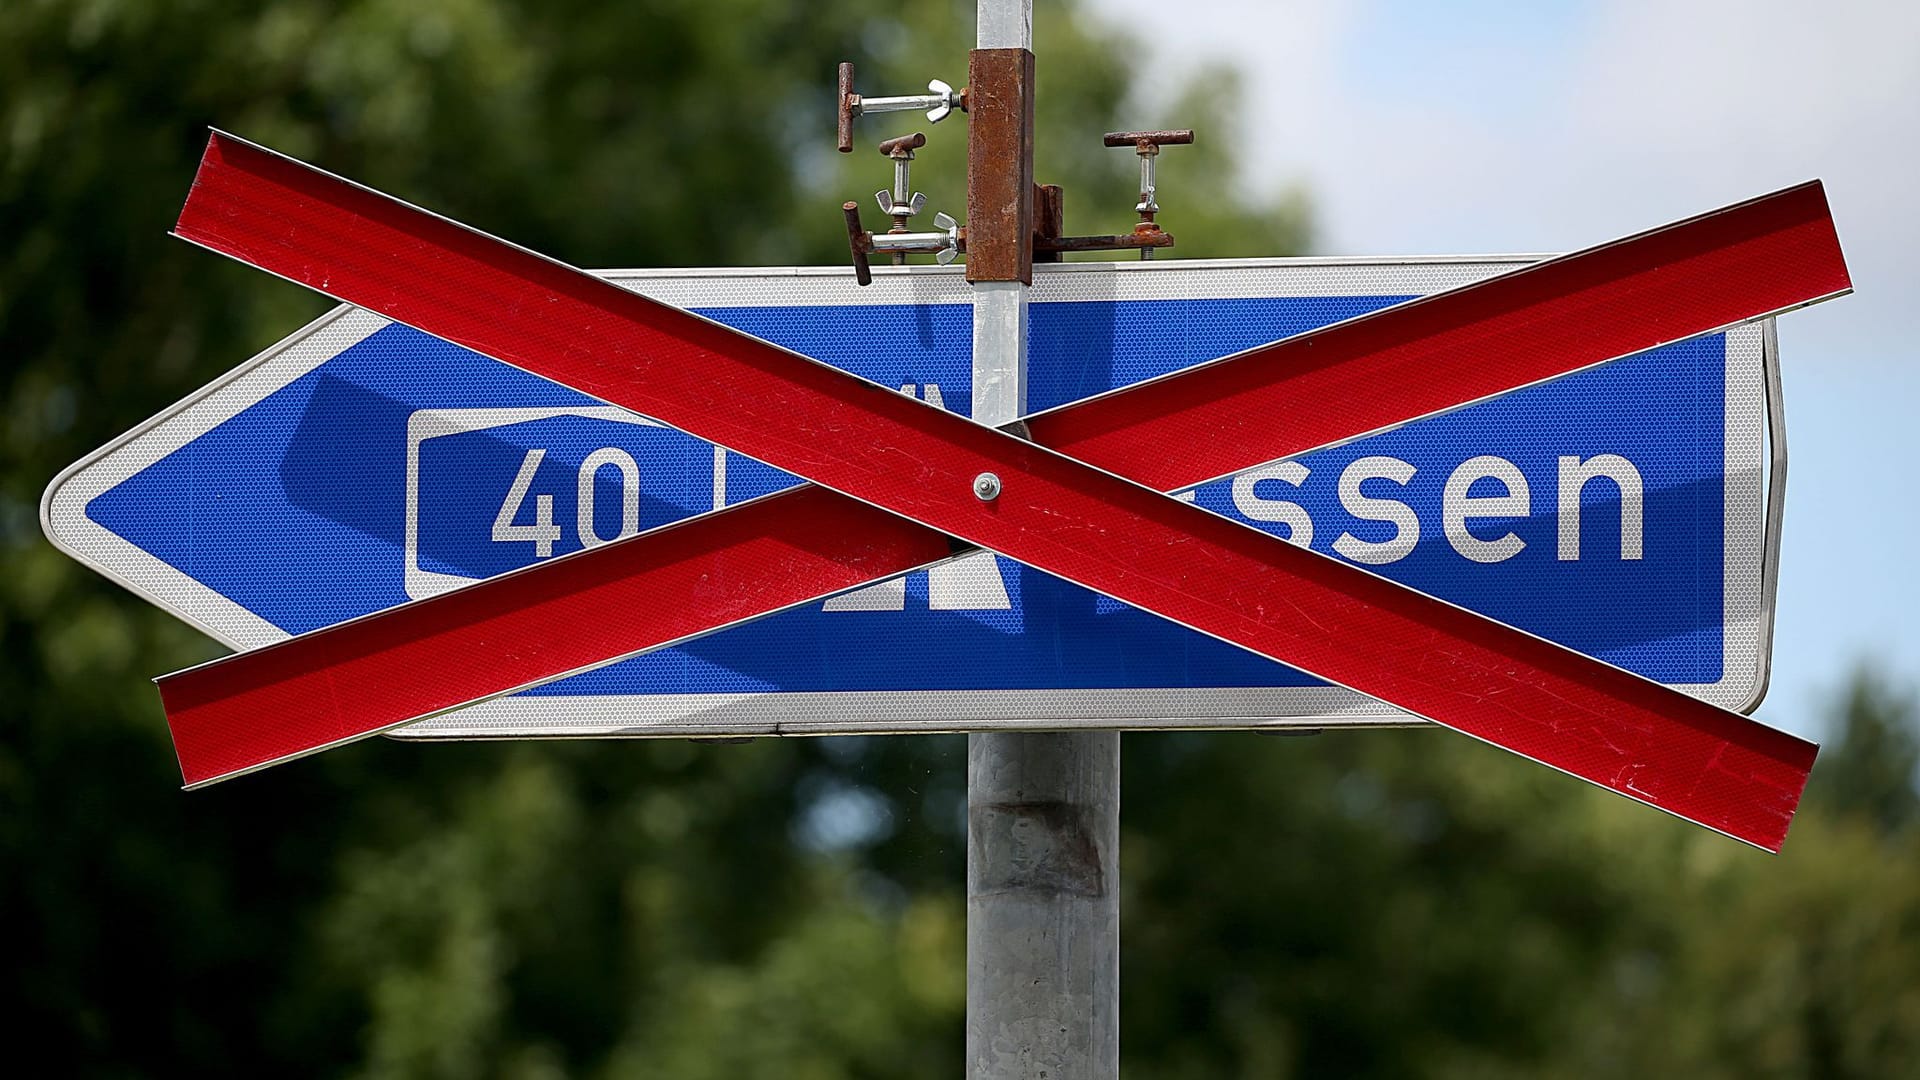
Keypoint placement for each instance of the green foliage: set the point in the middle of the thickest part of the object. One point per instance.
(1417, 905)
(1404, 904)
(1870, 772)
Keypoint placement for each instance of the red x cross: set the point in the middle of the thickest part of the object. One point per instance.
(1079, 496)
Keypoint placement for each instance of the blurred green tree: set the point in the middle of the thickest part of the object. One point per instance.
(1870, 772)
(1418, 905)
(1804, 966)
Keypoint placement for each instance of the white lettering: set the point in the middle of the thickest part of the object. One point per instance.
(1247, 500)
(1366, 508)
(1457, 506)
(1574, 475)
(543, 532)
(629, 495)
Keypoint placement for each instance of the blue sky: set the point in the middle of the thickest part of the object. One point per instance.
(1476, 127)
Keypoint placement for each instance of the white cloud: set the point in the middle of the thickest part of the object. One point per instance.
(1497, 134)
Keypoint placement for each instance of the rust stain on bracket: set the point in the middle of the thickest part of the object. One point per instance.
(1049, 221)
(1000, 165)
(861, 241)
(1140, 237)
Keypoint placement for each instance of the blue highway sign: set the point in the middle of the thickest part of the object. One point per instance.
(360, 464)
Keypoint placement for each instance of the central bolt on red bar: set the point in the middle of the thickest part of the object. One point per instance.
(1057, 514)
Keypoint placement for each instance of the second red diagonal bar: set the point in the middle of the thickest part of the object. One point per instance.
(1334, 620)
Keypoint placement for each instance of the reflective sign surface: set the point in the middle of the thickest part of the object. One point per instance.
(362, 464)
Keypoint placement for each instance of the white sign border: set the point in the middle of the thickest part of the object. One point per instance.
(1752, 413)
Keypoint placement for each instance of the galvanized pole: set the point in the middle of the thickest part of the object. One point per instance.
(1043, 809)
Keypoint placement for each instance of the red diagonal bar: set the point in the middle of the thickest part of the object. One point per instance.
(1335, 620)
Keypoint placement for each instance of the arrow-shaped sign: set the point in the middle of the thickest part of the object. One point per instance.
(906, 479)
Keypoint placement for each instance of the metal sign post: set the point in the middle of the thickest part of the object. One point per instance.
(1043, 808)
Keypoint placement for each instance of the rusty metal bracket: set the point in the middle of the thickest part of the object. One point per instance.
(1140, 239)
(950, 238)
(1049, 221)
(861, 241)
(1000, 165)
(1049, 228)
(1012, 222)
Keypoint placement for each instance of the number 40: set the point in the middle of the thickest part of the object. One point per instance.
(543, 532)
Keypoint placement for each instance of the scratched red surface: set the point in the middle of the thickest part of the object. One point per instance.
(1323, 616)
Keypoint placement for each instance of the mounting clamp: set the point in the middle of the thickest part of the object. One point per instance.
(1147, 144)
(939, 102)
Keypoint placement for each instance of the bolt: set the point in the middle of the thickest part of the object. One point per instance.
(986, 487)
(939, 101)
(902, 202)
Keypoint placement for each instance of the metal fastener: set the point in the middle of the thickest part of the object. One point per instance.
(986, 487)
(939, 101)
(1147, 144)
